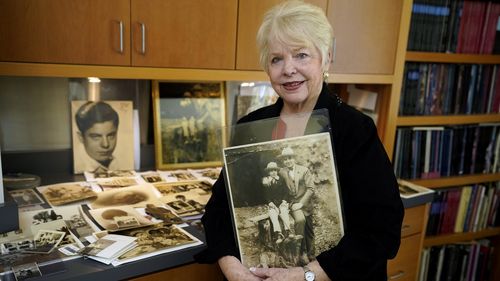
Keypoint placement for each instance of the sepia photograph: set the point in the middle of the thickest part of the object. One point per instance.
(188, 117)
(283, 213)
(26, 271)
(26, 197)
(156, 240)
(46, 241)
(151, 177)
(65, 193)
(119, 218)
(133, 196)
(117, 182)
(90, 176)
(103, 136)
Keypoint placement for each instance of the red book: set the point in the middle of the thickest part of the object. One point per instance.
(490, 28)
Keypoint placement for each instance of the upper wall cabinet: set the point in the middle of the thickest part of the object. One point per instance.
(65, 31)
(366, 35)
(190, 34)
(250, 14)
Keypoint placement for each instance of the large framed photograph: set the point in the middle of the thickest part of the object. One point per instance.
(188, 118)
(285, 200)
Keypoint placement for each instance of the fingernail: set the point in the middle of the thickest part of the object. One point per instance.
(252, 268)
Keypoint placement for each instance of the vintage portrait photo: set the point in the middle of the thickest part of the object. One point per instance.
(65, 193)
(26, 271)
(26, 197)
(156, 240)
(188, 119)
(134, 196)
(103, 136)
(119, 218)
(289, 204)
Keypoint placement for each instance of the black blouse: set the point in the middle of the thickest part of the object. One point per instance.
(372, 207)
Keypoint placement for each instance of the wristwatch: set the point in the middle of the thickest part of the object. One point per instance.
(308, 274)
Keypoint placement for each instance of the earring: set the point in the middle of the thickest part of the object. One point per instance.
(325, 76)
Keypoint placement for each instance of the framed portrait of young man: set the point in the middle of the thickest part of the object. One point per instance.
(188, 117)
(102, 133)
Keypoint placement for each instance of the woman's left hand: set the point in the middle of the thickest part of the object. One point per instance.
(279, 274)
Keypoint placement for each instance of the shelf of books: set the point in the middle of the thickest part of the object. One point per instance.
(448, 134)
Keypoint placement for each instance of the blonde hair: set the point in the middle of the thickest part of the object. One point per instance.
(295, 23)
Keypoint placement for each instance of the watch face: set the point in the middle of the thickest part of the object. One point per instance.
(310, 276)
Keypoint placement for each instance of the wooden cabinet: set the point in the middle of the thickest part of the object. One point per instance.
(250, 14)
(405, 265)
(187, 34)
(165, 33)
(65, 31)
(366, 35)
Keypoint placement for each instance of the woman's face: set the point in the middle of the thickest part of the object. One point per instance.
(296, 74)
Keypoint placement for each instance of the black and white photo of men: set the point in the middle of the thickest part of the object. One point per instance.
(102, 136)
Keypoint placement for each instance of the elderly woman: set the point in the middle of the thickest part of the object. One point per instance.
(295, 41)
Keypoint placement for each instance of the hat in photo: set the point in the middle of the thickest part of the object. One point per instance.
(272, 166)
(287, 151)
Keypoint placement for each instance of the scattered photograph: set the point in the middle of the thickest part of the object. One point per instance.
(156, 240)
(103, 136)
(133, 196)
(26, 271)
(182, 175)
(46, 241)
(166, 215)
(26, 197)
(151, 177)
(66, 193)
(288, 211)
(409, 190)
(119, 218)
(117, 182)
(17, 246)
(90, 176)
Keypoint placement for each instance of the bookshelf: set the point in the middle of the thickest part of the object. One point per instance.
(445, 55)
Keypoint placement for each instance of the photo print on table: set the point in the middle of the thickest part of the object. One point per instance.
(66, 193)
(119, 218)
(133, 196)
(26, 197)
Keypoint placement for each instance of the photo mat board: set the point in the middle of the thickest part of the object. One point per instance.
(245, 171)
(187, 116)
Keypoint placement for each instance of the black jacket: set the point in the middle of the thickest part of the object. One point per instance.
(373, 211)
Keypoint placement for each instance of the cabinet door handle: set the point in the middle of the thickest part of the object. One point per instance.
(397, 275)
(120, 23)
(143, 38)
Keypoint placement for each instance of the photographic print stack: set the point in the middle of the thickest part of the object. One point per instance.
(113, 217)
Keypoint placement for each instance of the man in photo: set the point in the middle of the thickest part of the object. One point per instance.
(300, 184)
(97, 124)
(103, 137)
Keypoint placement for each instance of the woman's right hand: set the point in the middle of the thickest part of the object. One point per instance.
(234, 270)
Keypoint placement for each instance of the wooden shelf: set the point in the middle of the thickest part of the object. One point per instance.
(460, 237)
(133, 72)
(457, 180)
(447, 119)
(452, 58)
